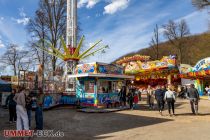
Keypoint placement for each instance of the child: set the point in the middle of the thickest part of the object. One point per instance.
(135, 100)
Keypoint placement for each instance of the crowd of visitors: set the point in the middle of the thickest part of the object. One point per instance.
(162, 95)
(20, 108)
(20, 103)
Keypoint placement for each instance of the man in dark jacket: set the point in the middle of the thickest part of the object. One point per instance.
(159, 96)
(193, 96)
(122, 95)
(130, 97)
(12, 106)
(163, 88)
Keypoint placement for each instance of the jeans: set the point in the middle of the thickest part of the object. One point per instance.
(131, 103)
(160, 105)
(39, 118)
(29, 117)
(150, 101)
(194, 106)
(22, 118)
(12, 113)
(135, 105)
(170, 103)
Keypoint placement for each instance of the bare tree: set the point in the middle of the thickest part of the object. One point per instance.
(14, 57)
(48, 24)
(55, 16)
(38, 30)
(200, 4)
(155, 42)
(176, 33)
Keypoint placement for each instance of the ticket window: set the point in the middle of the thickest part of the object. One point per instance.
(107, 86)
(103, 87)
(89, 86)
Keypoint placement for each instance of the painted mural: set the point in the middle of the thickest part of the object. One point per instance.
(99, 68)
(137, 66)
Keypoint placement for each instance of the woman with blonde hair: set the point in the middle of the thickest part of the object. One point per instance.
(170, 99)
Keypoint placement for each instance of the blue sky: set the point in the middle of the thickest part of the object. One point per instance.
(125, 25)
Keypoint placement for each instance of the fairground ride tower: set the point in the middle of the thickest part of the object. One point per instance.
(71, 41)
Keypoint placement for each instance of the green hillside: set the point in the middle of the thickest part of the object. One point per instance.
(197, 47)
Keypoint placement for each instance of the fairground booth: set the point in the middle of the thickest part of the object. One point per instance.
(200, 73)
(146, 72)
(98, 82)
(5, 90)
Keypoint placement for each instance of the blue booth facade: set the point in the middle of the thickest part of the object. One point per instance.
(98, 83)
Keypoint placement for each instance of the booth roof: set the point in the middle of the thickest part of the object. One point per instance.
(101, 75)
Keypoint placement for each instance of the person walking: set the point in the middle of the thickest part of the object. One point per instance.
(122, 95)
(136, 98)
(170, 98)
(12, 106)
(39, 110)
(193, 96)
(163, 88)
(159, 96)
(131, 97)
(29, 107)
(150, 97)
(139, 93)
(22, 117)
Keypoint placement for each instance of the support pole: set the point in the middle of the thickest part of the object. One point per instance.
(71, 41)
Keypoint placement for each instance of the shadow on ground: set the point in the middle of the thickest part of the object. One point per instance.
(145, 107)
(77, 125)
(191, 114)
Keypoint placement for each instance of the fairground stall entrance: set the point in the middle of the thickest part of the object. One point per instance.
(200, 73)
(146, 72)
(98, 82)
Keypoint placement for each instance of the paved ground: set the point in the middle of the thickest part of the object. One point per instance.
(129, 124)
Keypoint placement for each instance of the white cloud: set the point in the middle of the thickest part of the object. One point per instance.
(1, 18)
(87, 3)
(1, 43)
(23, 21)
(91, 3)
(23, 18)
(21, 12)
(116, 5)
(112, 7)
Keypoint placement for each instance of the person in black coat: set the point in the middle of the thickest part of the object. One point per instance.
(131, 97)
(163, 88)
(159, 96)
(122, 95)
(12, 106)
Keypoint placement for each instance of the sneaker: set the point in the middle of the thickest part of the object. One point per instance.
(10, 122)
(14, 121)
